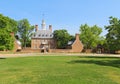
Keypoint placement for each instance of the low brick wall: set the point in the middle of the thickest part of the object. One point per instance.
(61, 50)
(88, 50)
(28, 50)
(117, 52)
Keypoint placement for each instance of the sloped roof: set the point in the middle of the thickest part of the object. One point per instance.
(70, 42)
(18, 42)
(43, 34)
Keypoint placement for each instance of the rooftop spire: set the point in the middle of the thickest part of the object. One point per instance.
(43, 25)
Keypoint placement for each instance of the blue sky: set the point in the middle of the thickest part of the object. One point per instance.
(63, 14)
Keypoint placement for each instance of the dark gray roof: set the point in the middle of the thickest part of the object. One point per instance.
(70, 43)
(43, 34)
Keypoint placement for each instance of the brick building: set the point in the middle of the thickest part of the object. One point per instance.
(76, 45)
(43, 38)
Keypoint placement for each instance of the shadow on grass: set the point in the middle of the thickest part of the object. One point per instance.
(101, 57)
(2, 58)
(113, 61)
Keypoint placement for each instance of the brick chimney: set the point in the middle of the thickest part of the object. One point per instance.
(36, 28)
(77, 36)
(50, 28)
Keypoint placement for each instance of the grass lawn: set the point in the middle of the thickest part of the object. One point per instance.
(60, 70)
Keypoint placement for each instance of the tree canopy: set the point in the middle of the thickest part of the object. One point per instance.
(25, 31)
(90, 36)
(113, 35)
(62, 37)
(7, 25)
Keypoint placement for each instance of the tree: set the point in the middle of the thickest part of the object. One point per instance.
(25, 31)
(6, 40)
(62, 37)
(113, 35)
(71, 38)
(7, 25)
(90, 36)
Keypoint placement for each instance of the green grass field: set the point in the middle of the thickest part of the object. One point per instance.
(60, 70)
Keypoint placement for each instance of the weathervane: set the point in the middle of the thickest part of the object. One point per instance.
(43, 15)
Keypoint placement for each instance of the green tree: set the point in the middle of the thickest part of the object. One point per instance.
(62, 37)
(7, 25)
(71, 38)
(25, 31)
(90, 36)
(113, 35)
(6, 40)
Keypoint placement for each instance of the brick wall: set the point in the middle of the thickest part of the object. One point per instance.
(29, 50)
(60, 50)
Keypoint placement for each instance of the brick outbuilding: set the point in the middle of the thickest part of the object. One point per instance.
(76, 45)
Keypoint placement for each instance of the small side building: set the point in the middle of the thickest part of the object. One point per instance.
(17, 43)
(76, 46)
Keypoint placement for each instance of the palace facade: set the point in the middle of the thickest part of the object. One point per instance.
(43, 39)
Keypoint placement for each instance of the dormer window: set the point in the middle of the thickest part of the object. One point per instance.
(39, 35)
(50, 35)
(34, 35)
(43, 35)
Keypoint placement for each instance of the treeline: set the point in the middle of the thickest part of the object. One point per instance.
(89, 35)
